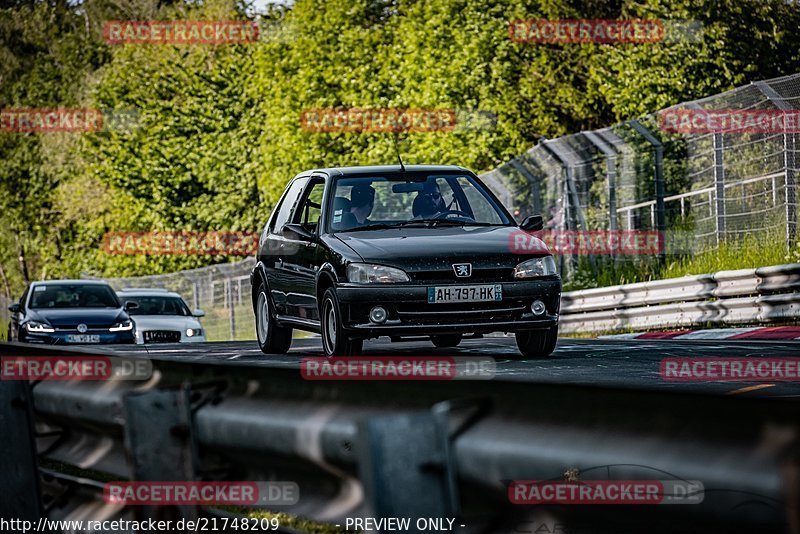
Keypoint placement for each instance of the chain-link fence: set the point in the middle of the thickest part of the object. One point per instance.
(221, 291)
(702, 181)
(701, 172)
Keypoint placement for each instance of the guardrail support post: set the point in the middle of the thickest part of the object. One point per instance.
(159, 441)
(20, 492)
(405, 466)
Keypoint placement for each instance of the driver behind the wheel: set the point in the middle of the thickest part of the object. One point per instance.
(362, 200)
(429, 202)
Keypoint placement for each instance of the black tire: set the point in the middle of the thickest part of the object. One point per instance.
(272, 338)
(537, 343)
(446, 340)
(330, 316)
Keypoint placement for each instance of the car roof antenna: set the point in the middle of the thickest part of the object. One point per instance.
(397, 151)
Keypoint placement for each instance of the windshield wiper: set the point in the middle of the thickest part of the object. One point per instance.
(455, 222)
(387, 226)
(423, 223)
(378, 226)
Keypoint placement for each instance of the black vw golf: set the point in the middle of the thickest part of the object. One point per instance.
(360, 252)
(71, 311)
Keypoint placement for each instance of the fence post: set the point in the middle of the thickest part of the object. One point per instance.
(789, 142)
(611, 175)
(719, 183)
(20, 493)
(658, 152)
(573, 214)
(231, 307)
(195, 295)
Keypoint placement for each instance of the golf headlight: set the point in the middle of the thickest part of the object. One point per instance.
(121, 327)
(544, 266)
(38, 328)
(367, 273)
(191, 332)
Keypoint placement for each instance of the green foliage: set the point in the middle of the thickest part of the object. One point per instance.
(748, 252)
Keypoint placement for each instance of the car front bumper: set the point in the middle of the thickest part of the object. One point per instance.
(183, 338)
(411, 314)
(62, 337)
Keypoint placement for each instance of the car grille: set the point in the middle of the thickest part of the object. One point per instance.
(449, 276)
(431, 314)
(161, 336)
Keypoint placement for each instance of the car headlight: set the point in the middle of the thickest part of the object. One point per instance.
(191, 332)
(122, 327)
(367, 273)
(38, 328)
(544, 266)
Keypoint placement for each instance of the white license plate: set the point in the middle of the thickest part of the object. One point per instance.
(487, 293)
(83, 338)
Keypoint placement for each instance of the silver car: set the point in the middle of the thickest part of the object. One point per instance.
(162, 316)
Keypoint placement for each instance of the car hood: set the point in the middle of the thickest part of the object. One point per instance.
(72, 317)
(164, 322)
(415, 249)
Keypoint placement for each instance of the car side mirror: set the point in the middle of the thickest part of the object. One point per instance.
(14, 308)
(199, 313)
(534, 223)
(297, 231)
(130, 305)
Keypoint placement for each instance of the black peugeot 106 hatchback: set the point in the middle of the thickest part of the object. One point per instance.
(359, 252)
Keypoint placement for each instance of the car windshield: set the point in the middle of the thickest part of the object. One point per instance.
(73, 296)
(411, 199)
(158, 305)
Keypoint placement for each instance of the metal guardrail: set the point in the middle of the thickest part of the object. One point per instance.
(398, 449)
(748, 296)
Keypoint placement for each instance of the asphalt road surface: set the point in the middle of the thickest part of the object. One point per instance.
(608, 363)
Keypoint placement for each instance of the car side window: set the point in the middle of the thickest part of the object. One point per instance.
(288, 202)
(308, 213)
